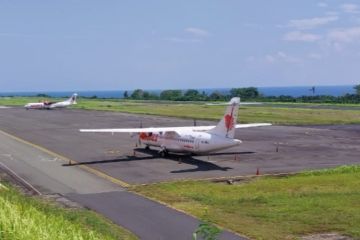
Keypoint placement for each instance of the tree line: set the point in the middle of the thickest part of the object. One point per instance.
(246, 94)
(193, 95)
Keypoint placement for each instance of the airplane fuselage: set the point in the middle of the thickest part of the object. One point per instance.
(44, 105)
(60, 105)
(40, 105)
(188, 142)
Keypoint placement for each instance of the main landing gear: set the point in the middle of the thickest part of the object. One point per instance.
(163, 152)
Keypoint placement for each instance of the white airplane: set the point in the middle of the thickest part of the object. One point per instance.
(195, 140)
(51, 105)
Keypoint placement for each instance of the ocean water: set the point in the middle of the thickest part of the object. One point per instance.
(267, 91)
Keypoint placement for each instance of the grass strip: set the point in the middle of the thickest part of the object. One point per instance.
(24, 217)
(247, 114)
(269, 207)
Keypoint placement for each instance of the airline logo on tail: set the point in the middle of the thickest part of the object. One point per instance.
(229, 120)
(73, 98)
(226, 127)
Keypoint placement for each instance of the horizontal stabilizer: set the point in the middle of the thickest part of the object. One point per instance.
(249, 125)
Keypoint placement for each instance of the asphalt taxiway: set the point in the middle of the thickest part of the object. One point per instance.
(273, 149)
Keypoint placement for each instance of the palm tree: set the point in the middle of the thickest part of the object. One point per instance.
(357, 89)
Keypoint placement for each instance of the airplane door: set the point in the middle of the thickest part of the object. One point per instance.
(197, 143)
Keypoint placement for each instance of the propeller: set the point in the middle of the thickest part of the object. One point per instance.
(138, 142)
(141, 126)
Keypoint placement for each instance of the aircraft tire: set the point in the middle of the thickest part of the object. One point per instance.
(163, 153)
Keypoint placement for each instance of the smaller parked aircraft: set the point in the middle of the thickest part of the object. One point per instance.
(52, 105)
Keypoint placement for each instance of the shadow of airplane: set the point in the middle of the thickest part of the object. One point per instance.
(156, 153)
(228, 153)
(201, 165)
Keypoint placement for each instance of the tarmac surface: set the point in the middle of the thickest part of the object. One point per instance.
(45, 174)
(274, 149)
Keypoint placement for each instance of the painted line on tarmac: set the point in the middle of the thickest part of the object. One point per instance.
(22, 180)
(88, 169)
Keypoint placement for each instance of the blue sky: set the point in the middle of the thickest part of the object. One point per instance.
(161, 44)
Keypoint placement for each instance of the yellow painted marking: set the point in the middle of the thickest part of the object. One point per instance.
(89, 169)
(112, 152)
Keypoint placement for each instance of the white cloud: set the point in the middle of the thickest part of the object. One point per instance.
(332, 13)
(280, 57)
(183, 40)
(338, 39)
(301, 36)
(198, 32)
(197, 35)
(315, 56)
(270, 58)
(346, 35)
(350, 8)
(311, 23)
(322, 4)
(38, 35)
(250, 25)
(250, 59)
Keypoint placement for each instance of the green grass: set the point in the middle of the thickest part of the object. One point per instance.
(314, 104)
(248, 114)
(269, 207)
(26, 218)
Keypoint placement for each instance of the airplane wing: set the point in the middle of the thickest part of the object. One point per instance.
(167, 129)
(140, 130)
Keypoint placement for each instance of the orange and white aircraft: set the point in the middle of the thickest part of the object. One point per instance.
(51, 105)
(194, 140)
